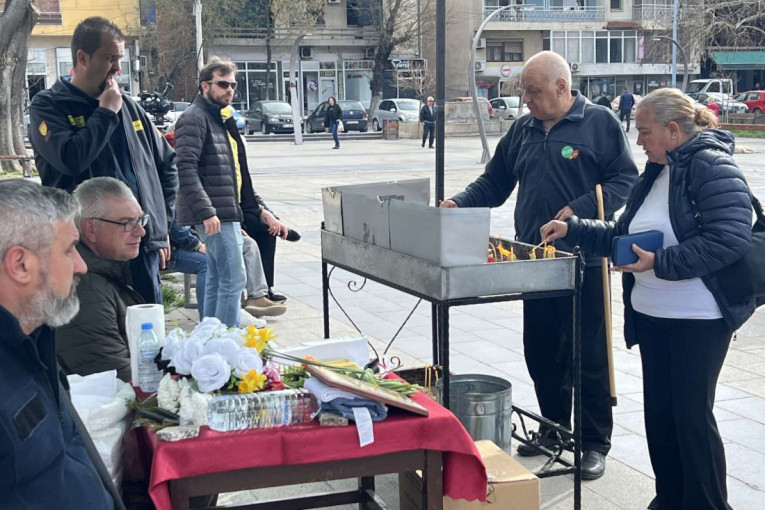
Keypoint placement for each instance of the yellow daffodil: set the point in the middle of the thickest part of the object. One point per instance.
(252, 381)
(258, 338)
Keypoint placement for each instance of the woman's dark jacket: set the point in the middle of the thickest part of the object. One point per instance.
(334, 113)
(701, 170)
(206, 170)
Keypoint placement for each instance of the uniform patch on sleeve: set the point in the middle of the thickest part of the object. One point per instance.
(43, 128)
(77, 122)
(137, 125)
(29, 417)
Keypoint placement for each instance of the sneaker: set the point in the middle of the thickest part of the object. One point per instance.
(245, 319)
(264, 307)
(276, 298)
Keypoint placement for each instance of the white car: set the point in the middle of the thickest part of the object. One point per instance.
(403, 110)
(171, 117)
(507, 107)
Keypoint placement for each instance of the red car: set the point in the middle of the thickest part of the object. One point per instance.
(754, 100)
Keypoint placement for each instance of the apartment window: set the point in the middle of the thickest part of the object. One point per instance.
(616, 5)
(615, 54)
(588, 47)
(601, 47)
(504, 51)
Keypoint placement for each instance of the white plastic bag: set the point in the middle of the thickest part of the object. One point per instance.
(101, 400)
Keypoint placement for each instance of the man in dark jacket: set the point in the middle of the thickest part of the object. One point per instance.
(47, 457)
(556, 157)
(213, 180)
(428, 121)
(603, 100)
(88, 128)
(626, 103)
(111, 225)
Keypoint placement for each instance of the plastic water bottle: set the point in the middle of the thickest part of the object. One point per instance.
(149, 374)
(261, 409)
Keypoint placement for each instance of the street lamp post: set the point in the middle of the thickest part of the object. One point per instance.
(294, 99)
(474, 92)
(674, 66)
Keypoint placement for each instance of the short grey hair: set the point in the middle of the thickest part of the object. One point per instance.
(554, 66)
(671, 105)
(94, 194)
(30, 212)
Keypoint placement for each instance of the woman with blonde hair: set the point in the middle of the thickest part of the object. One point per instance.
(693, 192)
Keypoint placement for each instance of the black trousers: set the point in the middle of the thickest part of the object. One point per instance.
(267, 248)
(625, 114)
(428, 127)
(548, 346)
(681, 363)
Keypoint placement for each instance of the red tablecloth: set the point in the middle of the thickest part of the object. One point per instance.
(211, 452)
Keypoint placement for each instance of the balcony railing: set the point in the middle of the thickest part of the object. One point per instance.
(549, 14)
(658, 11)
(288, 33)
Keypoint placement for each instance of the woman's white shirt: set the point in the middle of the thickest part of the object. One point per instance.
(682, 299)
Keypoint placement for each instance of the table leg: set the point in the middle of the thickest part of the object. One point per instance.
(179, 495)
(325, 297)
(366, 485)
(433, 480)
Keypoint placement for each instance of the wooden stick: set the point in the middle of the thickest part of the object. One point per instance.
(607, 302)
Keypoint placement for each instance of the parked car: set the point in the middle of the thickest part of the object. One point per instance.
(355, 117)
(403, 110)
(726, 102)
(269, 116)
(507, 107)
(754, 100)
(460, 109)
(239, 119)
(171, 117)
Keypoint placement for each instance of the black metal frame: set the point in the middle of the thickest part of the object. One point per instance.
(440, 322)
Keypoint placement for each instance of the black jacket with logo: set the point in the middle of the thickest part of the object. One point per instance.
(557, 168)
(71, 136)
(206, 167)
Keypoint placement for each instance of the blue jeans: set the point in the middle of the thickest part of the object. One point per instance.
(226, 276)
(334, 134)
(191, 262)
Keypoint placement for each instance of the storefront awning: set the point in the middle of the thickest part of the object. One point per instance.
(739, 60)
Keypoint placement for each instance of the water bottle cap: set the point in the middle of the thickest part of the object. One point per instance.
(147, 325)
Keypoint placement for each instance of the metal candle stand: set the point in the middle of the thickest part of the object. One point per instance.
(446, 287)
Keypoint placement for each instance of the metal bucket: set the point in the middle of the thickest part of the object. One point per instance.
(483, 404)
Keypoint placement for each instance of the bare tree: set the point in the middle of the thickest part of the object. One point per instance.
(16, 23)
(422, 81)
(399, 26)
(725, 23)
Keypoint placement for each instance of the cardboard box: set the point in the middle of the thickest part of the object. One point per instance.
(511, 486)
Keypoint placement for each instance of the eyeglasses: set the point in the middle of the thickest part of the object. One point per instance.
(128, 225)
(225, 84)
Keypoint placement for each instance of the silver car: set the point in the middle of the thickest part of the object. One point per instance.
(403, 110)
(507, 108)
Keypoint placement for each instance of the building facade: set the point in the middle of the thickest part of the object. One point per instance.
(336, 59)
(50, 55)
(609, 44)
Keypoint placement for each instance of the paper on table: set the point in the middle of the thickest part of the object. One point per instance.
(325, 392)
(355, 349)
(137, 315)
(364, 426)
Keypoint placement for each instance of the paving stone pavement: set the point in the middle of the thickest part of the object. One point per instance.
(486, 338)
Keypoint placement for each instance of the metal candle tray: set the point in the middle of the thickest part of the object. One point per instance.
(441, 283)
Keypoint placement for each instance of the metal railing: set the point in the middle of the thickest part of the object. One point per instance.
(528, 14)
(289, 33)
(653, 12)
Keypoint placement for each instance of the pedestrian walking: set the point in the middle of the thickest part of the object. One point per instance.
(428, 122)
(333, 120)
(564, 130)
(87, 128)
(694, 193)
(626, 102)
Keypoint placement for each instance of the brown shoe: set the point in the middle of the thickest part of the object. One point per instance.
(264, 307)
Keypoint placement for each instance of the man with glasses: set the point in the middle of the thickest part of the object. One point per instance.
(111, 225)
(428, 121)
(215, 186)
(87, 127)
